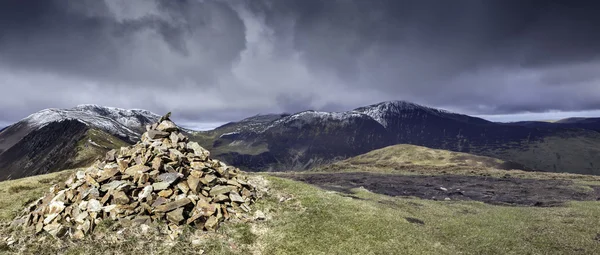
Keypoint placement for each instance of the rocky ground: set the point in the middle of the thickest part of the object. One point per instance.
(491, 190)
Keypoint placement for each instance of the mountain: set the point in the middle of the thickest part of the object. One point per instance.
(312, 138)
(64, 138)
(54, 139)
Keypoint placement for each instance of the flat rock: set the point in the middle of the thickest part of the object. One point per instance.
(123, 164)
(167, 126)
(208, 179)
(160, 185)
(173, 205)
(202, 153)
(157, 163)
(120, 198)
(192, 183)
(111, 185)
(110, 155)
(165, 193)
(175, 216)
(160, 201)
(56, 207)
(221, 198)
(220, 189)
(137, 169)
(109, 173)
(169, 177)
(235, 197)
(55, 229)
(183, 186)
(211, 223)
(156, 134)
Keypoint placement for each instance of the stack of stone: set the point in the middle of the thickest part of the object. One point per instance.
(164, 177)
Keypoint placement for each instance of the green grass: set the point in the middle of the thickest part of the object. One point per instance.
(376, 224)
(18, 193)
(303, 219)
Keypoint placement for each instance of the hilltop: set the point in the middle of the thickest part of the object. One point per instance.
(348, 217)
(406, 157)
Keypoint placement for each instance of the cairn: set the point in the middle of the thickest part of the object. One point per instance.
(162, 178)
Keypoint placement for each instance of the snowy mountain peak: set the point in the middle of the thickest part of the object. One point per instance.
(384, 110)
(121, 122)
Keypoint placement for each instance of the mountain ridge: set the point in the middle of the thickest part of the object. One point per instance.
(310, 138)
(64, 138)
(307, 139)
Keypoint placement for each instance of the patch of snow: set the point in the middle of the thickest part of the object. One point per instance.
(230, 133)
(310, 117)
(380, 112)
(94, 143)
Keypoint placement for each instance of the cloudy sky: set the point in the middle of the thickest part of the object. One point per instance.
(212, 61)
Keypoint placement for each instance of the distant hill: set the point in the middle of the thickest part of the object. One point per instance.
(569, 123)
(406, 157)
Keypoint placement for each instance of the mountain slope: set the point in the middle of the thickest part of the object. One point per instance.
(311, 138)
(54, 139)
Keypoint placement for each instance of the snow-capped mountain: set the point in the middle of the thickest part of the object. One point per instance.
(51, 139)
(308, 138)
(384, 113)
(117, 121)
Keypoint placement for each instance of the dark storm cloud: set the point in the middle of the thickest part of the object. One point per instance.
(219, 60)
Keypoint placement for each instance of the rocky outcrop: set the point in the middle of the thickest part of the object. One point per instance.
(162, 178)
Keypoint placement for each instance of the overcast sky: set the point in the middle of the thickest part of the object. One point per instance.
(215, 61)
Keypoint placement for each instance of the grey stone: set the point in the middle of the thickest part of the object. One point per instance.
(220, 189)
(167, 126)
(169, 177)
(235, 197)
(155, 134)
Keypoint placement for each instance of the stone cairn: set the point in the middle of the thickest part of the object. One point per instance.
(162, 178)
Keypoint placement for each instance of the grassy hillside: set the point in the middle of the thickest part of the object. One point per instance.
(573, 154)
(94, 145)
(304, 219)
(406, 157)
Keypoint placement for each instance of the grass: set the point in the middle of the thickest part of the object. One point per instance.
(303, 219)
(375, 224)
(18, 193)
(87, 152)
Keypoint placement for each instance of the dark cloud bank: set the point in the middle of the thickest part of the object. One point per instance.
(214, 61)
